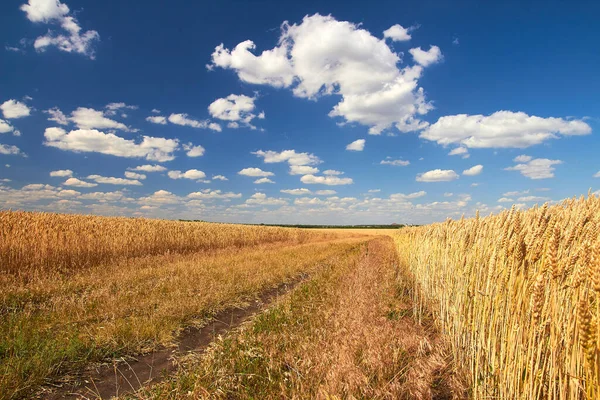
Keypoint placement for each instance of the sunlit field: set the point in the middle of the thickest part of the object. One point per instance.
(505, 306)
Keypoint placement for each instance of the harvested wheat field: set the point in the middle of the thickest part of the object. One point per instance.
(505, 306)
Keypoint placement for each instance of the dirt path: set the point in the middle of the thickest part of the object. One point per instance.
(347, 333)
(126, 377)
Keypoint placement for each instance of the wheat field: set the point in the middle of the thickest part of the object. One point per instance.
(518, 295)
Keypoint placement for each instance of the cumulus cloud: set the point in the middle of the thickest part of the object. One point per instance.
(522, 158)
(91, 140)
(13, 109)
(325, 180)
(109, 180)
(255, 172)
(10, 150)
(460, 151)
(505, 200)
(185, 120)
(538, 168)
(56, 115)
(5, 127)
(112, 108)
(302, 170)
(193, 174)
(326, 192)
(437, 175)
(149, 168)
(597, 174)
(193, 151)
(134, 175)
(528, 199)
(395, 163)
(263, 180)
(322, 56)
(72, 40)
(289, 156)
(78, 183)
(332, 172)
(63, 173)
(397, 33)
(357, 145)
(474, 170)
(235, 108)
(88, 118)
(157, 119)
(410, 196)
(261, 199)
(505, 129)
(208, 194)
(220, 178)
(159, 198)
(296, 192)
(426, 58)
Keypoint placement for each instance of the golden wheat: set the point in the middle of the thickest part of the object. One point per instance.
(519, 296)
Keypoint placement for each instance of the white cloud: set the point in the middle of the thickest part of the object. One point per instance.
(538, 168)
(322, 56)
(234, 108)
(374, 190)
(5, 127)
(448, 194)
(426, 58)
(326, 180)
(149, 168)
(357, 145)
(437, 175)
(184, 120)
(263, 180)
(12, 109)
(255, 172)
(220, 178)
(45, 10)
(474, 170)
(112, 108)
(91, 140)
(402, 196)
(207, 194)
(528, 199)
(296, 192)
(289, 156)
(53, 11)
(10, 150)
(63, 173)
(189, 174)
(159, 198)
(326, 192)
(134, 175)
(193, 151)
(78, 183)
(522, 158)
(88, 118)
(302, 170)
(501, 129)
(597, 174)
(157, 119)
(505, 200)
(156, 111)
(109, 180)
(396, 163)
(332, 172)
(460, 151)
(56, 115)
(397, 33)
(262, 200)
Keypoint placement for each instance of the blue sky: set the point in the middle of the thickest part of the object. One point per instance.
(302, 112)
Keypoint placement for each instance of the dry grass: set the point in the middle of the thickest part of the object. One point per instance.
(35, 242)
(101, 302)
(344, 334)
(519, 296)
